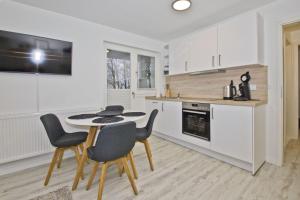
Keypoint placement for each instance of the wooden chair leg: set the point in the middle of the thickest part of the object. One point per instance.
(78, 158)
(102, 180)
(81, 152)
(130, 156)
(124, 160)
(120, 167)
(81, 147)
(77, 154)
(61, 155)
(91, 179)
(149, 154)
(52, 165)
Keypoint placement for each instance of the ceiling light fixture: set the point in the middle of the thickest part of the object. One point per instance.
(181, 5)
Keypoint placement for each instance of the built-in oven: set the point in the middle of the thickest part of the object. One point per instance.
(196, 120)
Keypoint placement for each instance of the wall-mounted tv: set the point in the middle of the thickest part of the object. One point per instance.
(32, 54)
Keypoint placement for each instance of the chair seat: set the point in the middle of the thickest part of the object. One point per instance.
(71, 139)
(141, 134)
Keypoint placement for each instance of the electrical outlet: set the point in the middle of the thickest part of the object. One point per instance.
(252, 87)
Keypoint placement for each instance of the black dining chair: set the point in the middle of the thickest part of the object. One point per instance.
(113, 145)
(114, 108)
(142, 135)
(62, 141)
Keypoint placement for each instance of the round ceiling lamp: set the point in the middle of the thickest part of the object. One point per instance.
(181, 5)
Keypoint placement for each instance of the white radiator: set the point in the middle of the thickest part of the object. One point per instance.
(23, 136)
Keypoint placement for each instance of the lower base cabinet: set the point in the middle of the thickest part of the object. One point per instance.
(169, 117)
(231, 131)
(237, 132)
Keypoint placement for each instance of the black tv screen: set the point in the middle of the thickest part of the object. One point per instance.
(32, 54)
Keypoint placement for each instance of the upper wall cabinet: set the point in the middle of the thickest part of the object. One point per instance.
(203, 50)
(240, 40)
(232, 43)
(179, 56)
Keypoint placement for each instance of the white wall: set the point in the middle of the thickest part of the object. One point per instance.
(275, 15)
(87, 85)
(31, 95)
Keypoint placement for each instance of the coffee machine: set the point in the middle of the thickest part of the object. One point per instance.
(244, 88)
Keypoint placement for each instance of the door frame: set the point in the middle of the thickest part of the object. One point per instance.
(134, 51)
(281, 81)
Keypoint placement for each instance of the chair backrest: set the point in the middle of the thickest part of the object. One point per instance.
(115, 141)
(114, 108)
(53, 127)
(150, 122)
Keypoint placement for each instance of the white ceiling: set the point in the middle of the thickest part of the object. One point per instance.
(150, 18)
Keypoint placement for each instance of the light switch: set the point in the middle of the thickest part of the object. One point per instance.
(252, 87)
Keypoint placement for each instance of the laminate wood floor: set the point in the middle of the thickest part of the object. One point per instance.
(180, 173)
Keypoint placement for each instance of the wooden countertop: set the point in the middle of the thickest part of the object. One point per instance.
(252, 103)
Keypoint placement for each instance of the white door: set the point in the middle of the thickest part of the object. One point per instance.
(132, 74)
(179, 55)
(231, 131)
(237, 41)
(145, 77)
(290, 93)
(204, 50)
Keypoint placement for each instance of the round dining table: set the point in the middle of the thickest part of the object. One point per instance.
(93, 128)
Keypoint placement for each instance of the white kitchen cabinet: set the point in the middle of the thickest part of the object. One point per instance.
(179, 56)
(151, 105)
(169, 119)
(231, 131)
(204, 50)
(240, 41)
(235, 42)
(238, 133)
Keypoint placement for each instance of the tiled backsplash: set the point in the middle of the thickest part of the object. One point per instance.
(211, 85)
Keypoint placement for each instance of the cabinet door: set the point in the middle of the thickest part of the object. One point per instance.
(151, 105)
(238, 41)
(204, 50)
(231, 131)
(179, 53)
(171, 118)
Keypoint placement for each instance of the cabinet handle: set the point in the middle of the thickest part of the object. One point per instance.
(186, 65)
(162, 107)
(220, 59)
(212, 113)
(213, 61)
(155, 102)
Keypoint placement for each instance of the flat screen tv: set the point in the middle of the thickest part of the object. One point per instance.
(32, 54)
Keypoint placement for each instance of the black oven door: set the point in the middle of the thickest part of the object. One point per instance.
(196, 123)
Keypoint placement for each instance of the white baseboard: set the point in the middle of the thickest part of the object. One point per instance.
(19, 165)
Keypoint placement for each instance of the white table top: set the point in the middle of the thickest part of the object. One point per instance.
(88, 122)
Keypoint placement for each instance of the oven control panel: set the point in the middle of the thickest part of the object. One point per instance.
(196, 106)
